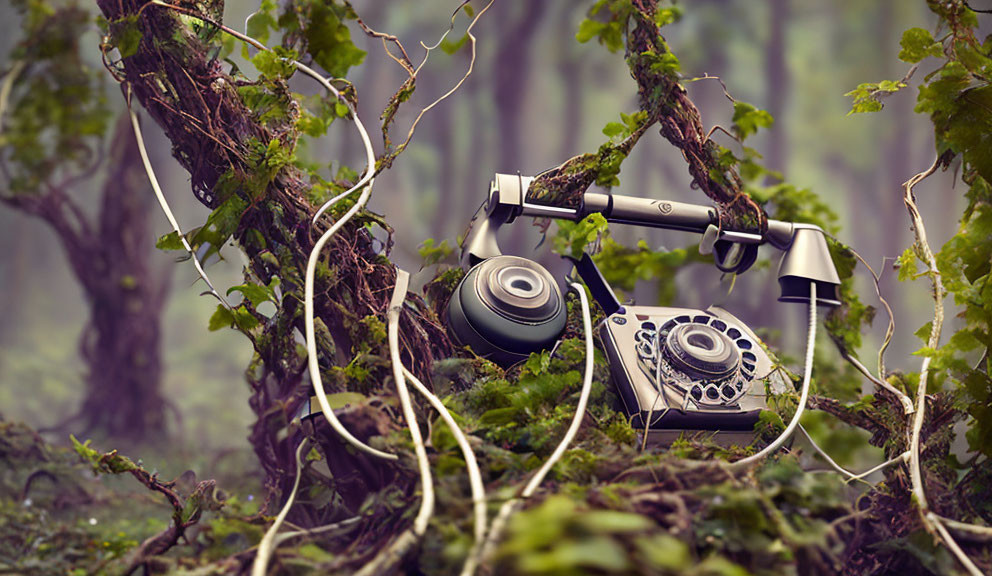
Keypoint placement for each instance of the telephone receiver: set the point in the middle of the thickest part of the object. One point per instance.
(507, 307)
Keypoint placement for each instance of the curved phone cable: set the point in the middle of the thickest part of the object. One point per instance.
(499, 524)
(164, 204)
(366, 182)
(659, 386)
(267, 545)
(803, 396)
(474, 474)
(409, 414)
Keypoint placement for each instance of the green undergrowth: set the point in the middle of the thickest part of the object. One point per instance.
(79, 512)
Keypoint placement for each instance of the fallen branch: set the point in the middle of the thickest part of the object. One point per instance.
(185, 511)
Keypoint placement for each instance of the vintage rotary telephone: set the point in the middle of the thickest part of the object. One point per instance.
(675, 369)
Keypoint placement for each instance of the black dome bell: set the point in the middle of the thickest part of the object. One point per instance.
(505, 308)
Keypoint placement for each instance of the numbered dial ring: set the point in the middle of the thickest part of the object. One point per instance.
(707, 359)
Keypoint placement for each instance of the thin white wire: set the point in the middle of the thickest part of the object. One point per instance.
(474, 474)
(904, 457)
(963, 558)
(369, 153)
(508, 507)
(659, 386)
(318, 384)
(851, 476)
(393, 332)
(368, 180)
(266, 547)
(580, 408)
(313, 365)
(168, 212)
(803, 397)
(318, 530)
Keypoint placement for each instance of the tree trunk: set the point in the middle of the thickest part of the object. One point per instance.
(122, 342)
(276, 234)
(510, 88)
(571, 72)
(512, 71)
(778, 84)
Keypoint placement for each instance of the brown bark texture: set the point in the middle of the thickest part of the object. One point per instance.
(211, 130)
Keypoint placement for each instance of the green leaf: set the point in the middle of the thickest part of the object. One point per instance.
(344, 399)
(241, 318)
(664, 551)
(329, 40)
(588, 30)
(254, 293)
(220, 225)
(614, 522)
(573, 237)
(614, 129)
(583, 556)
(665, 63)
(278, 156)
(262, 21)
(275, 63)
(244, 319)
(906, 264)
(170, 241)
(433, 253)
(748, 119)
(610, 33)
(917, 44)
(630, 123)
(450, 47)
(867, 96)
(221, 318)
(666, 16)
(126, 35)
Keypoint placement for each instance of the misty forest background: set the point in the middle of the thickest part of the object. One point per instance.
(535, 98)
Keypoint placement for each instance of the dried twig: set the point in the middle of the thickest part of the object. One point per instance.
(471, 66)
(890, 327)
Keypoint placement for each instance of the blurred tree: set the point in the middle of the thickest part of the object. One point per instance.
(511, 88)
(51, 149)
(571, 72)
(777, 81)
